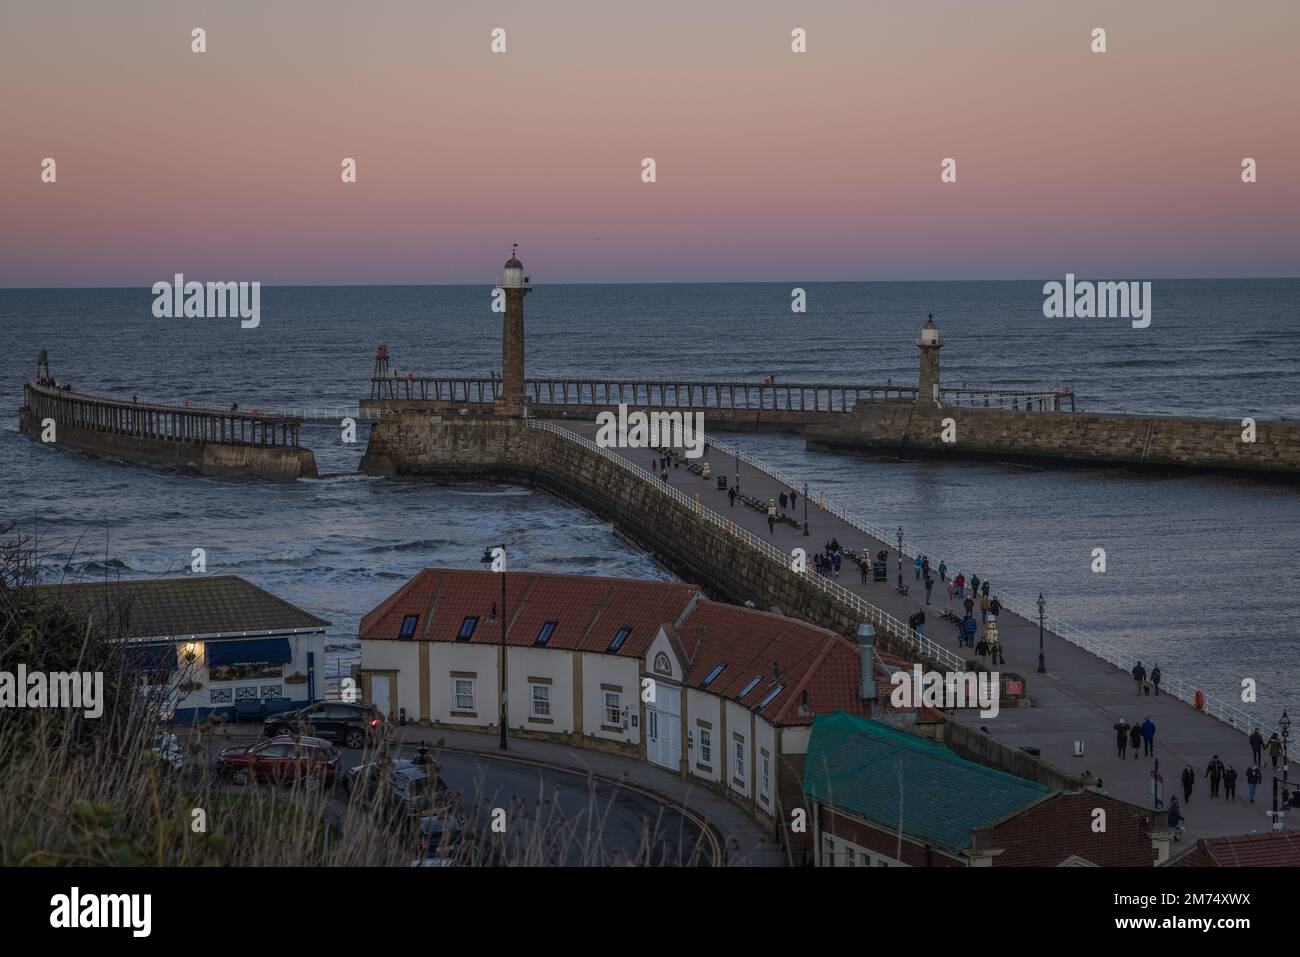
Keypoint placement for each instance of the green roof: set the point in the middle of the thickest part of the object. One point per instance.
(853, 765)
(177, 607)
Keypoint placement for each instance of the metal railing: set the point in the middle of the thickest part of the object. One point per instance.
(1178, 687)
(867, 611)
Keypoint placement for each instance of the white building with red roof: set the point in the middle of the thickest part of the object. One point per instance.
(653, 670)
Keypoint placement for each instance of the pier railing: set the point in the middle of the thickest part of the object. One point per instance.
(122, 415)
(878, 617)
(1180, 688)
(792, 397)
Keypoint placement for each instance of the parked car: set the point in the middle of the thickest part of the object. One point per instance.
(279, 760)
(418, 791)
(440, 842)
(169, 749)
(365, 778)
(340, 721)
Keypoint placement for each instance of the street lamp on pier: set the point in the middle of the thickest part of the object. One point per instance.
(805, 508)
(491, 556)
(1285, 725)
(900, 558)
(1042, 607)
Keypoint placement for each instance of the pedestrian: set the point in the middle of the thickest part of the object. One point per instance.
(731, 494)
(975, 586)
(784, 499)
(863, 566)
(969, 605)
(917, 623)
(943, 571)
(771, 524)
(929, 587)
(984, 589)
(835, 560)
(664, 476)
(969, 626)
(1256, 747)
(1176, 818)
(1155, 679)
(817, 563)
(1274, 748)
(1214, 771)
(917, 565)
(1148, 737)
(925, 565)
(1135, 740)
(984, 608)
(793, 497)
(982, 649)
(1139, 677)
(1230, 783)
(960, 584)
(1121, 738)
(995, 608)
(1253, 776)
(1189, 782)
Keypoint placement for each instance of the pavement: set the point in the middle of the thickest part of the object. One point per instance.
(1080, 698)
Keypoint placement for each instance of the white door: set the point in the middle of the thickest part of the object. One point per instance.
(664, 728)
(380, 693)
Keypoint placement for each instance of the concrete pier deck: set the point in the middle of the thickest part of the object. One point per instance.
(1081, 697)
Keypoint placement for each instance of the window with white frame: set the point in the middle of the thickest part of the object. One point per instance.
(613, 708)
(541, 698)
(464, 694)
(706, 746)
(764, 763)
(740, 759)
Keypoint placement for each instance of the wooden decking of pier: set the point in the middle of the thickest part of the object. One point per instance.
(1080, 698)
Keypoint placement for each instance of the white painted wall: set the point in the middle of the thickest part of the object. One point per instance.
(610, 669)
(448, 656)
(541, 663)
(738, 723)
(701, 705)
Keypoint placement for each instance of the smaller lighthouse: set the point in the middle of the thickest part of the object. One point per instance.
(515, 285)
(930, 342)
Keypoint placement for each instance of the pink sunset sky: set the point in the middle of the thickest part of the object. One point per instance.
(771, 165)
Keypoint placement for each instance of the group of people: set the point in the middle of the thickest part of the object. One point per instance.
(1139, 674)
(1139, 737)
(828, 560)
(49, 383)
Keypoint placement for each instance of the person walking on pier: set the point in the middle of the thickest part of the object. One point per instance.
(969, 605)
(995, 608)
(731, 494)
(969, 628)
(1256, 747)
(984, 609)
(985, 589)
(925, 566)
(929, 587)
(1189, 782)
(1253, 776)
(794, 498)
(1139, 677)
(917, 623)
(1148, 736)
(1274, 748)
(835, 563)
(1121, 738)
(975, 586)
(1230, 783)
(943, 571)
(783, 500)
(1214, 771)
(1176, 818)
(959, 583)
(982, 648)
(1135, 740)
(917, 565)
(1155, 679)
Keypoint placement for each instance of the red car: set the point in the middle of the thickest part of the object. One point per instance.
(281, 759)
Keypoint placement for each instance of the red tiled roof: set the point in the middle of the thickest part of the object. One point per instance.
(1271, 849)
(780, 652)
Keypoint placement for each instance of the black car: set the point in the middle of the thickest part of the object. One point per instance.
(350, 724)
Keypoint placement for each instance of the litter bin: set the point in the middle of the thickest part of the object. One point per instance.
(722, 482)
(879, 571)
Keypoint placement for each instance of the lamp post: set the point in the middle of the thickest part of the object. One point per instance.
(805, 508)
(737, 471)
(1042, 606)
(900, 558)
(490, 560)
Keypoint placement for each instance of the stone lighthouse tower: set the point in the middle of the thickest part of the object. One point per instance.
(515, 285)
(930, 342)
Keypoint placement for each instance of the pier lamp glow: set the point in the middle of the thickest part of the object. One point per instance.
(1042, 607)
(489, 559)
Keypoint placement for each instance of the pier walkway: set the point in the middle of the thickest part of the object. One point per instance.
(1082, 695)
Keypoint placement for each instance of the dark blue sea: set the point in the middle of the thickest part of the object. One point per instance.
(1200, 570)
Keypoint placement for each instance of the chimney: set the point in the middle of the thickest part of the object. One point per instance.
(867, 654)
